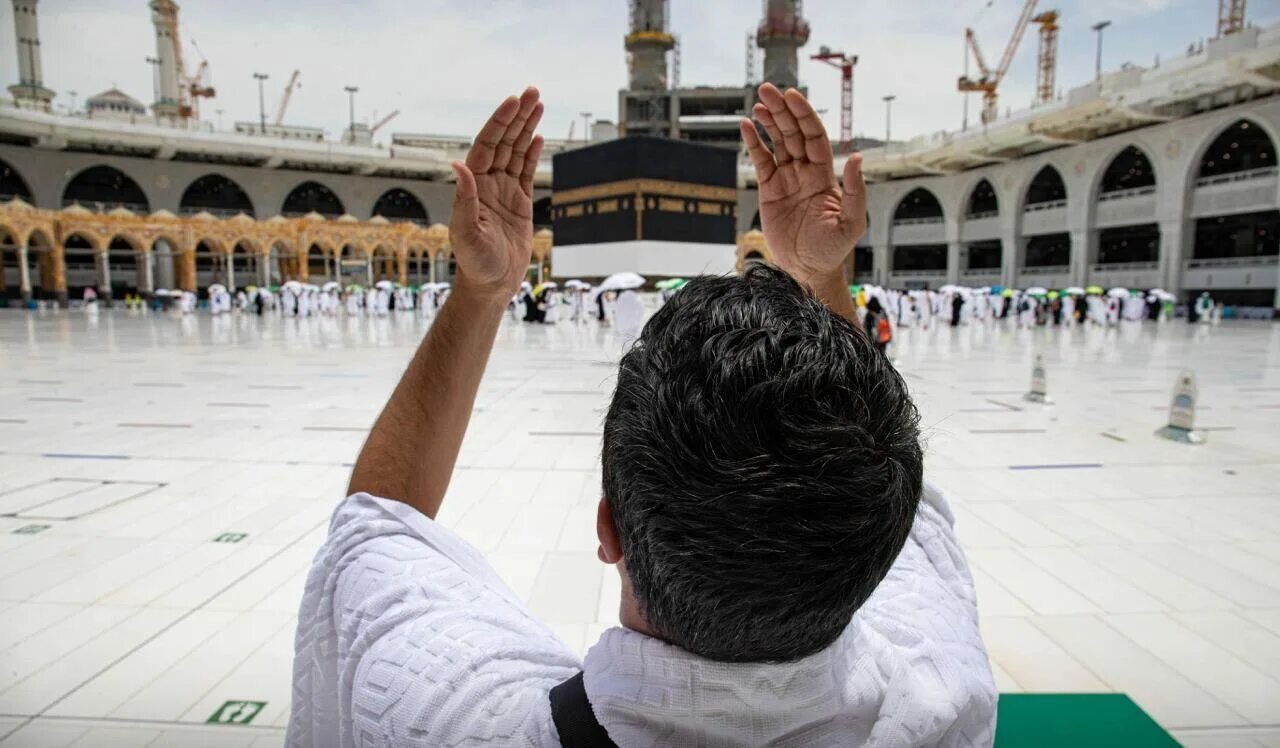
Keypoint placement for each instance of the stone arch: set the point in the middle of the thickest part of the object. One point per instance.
(105, 187)
(385, 267)
(1242, 145)
(312, 196)
(919, 205)
(126, 255)
(80, 261)
(245, 261)
(217, 194)
(1046, 186)
(12, 184)
(210, 258)
(1129, 169)
(981, 200)
(398, 204)
(418, 264)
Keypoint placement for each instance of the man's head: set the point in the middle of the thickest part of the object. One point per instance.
(762, 465)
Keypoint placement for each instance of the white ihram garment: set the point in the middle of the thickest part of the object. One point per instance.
(407, 637)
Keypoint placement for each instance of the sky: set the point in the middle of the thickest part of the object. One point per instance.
(446, 63)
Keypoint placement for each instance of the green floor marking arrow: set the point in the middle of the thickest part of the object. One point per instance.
(236, 713)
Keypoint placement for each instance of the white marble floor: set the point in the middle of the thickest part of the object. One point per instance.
(164, 482)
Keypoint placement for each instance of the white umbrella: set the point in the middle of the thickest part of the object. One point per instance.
(217, 288)
(1036, 291)
(575, 283)
(386, 284)
(1118, 293)
(1074, 290)
(949, 288)
(622, 281)
(550, 284)
(330, 286)
(293, 285)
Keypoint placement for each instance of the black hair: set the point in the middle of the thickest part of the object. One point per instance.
(763, 465)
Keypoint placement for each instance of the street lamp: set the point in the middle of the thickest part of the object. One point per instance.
(1098, 27)
(586, 127)
(888, 119)
(262, 103)
(219, 113)
(351, 95)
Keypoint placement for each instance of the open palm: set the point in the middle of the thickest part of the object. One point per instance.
(491, 229)
(810, 223)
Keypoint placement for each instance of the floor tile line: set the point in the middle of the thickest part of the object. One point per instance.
(184, 616)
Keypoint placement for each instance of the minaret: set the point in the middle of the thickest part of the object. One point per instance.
(648, 43)
(30, 87)
(164, 14)
(782, 32)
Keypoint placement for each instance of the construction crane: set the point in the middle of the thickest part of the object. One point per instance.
(197, 86)
(294, 82)
(845, 64)
(1046, 83)
(1230, 17)
(989, 81)
(374, 128)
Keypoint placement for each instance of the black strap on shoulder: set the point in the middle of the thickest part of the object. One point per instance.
(576, 723)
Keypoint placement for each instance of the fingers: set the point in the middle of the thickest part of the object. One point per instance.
(780, 154)
(507, 143)
(772, 98)
(817, 147)
(853, 198)
(466, 198)
(531, 165)
(521, 147)
(483, 150)
(760, 155)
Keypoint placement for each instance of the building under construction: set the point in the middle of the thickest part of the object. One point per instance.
(655, 103)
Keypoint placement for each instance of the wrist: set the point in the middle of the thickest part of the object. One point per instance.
(485, 293)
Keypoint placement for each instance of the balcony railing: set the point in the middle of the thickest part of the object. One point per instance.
(917, 221)
(1049, 205)
(1107, 197)
(1233, 262)
(981, 272)
(918, 273)
(981, 215)
(139, 208)
(219, 212)
(1103, 267)
(1044, 270)
(1238, 176)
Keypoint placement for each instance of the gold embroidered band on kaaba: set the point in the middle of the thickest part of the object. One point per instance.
(638, 187)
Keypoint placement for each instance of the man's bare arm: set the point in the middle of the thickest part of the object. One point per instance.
(411, 451)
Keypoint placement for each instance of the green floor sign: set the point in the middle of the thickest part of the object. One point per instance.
(236, 713)
(1074, 720)
(231, 537)
(31, 529)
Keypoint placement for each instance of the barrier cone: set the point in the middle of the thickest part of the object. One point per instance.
(1182, 412)
(1039, 386)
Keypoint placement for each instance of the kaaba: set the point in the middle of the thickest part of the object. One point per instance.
(645, 188)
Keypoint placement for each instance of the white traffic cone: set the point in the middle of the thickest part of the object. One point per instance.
(1039, 385)
(1182, 411)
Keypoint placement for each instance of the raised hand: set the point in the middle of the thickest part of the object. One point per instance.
(492, 225)
(810, 223)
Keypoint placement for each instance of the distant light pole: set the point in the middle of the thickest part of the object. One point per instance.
(219, 113)
(262, 103)
(888, 119)
(72, 94)
(1098, 27)
(351, 96)
(586, 127)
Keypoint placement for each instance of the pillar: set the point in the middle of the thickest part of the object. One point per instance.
(368, 269)
(953, 261)
(264, 269)
(24, 275)
(104, 274)
(431, 267)
(230, 259)
(187, 270)
(57, 278)
(148, 274)
(162, 255)
(1081, 250)
(402, 268)
(1173, 253)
